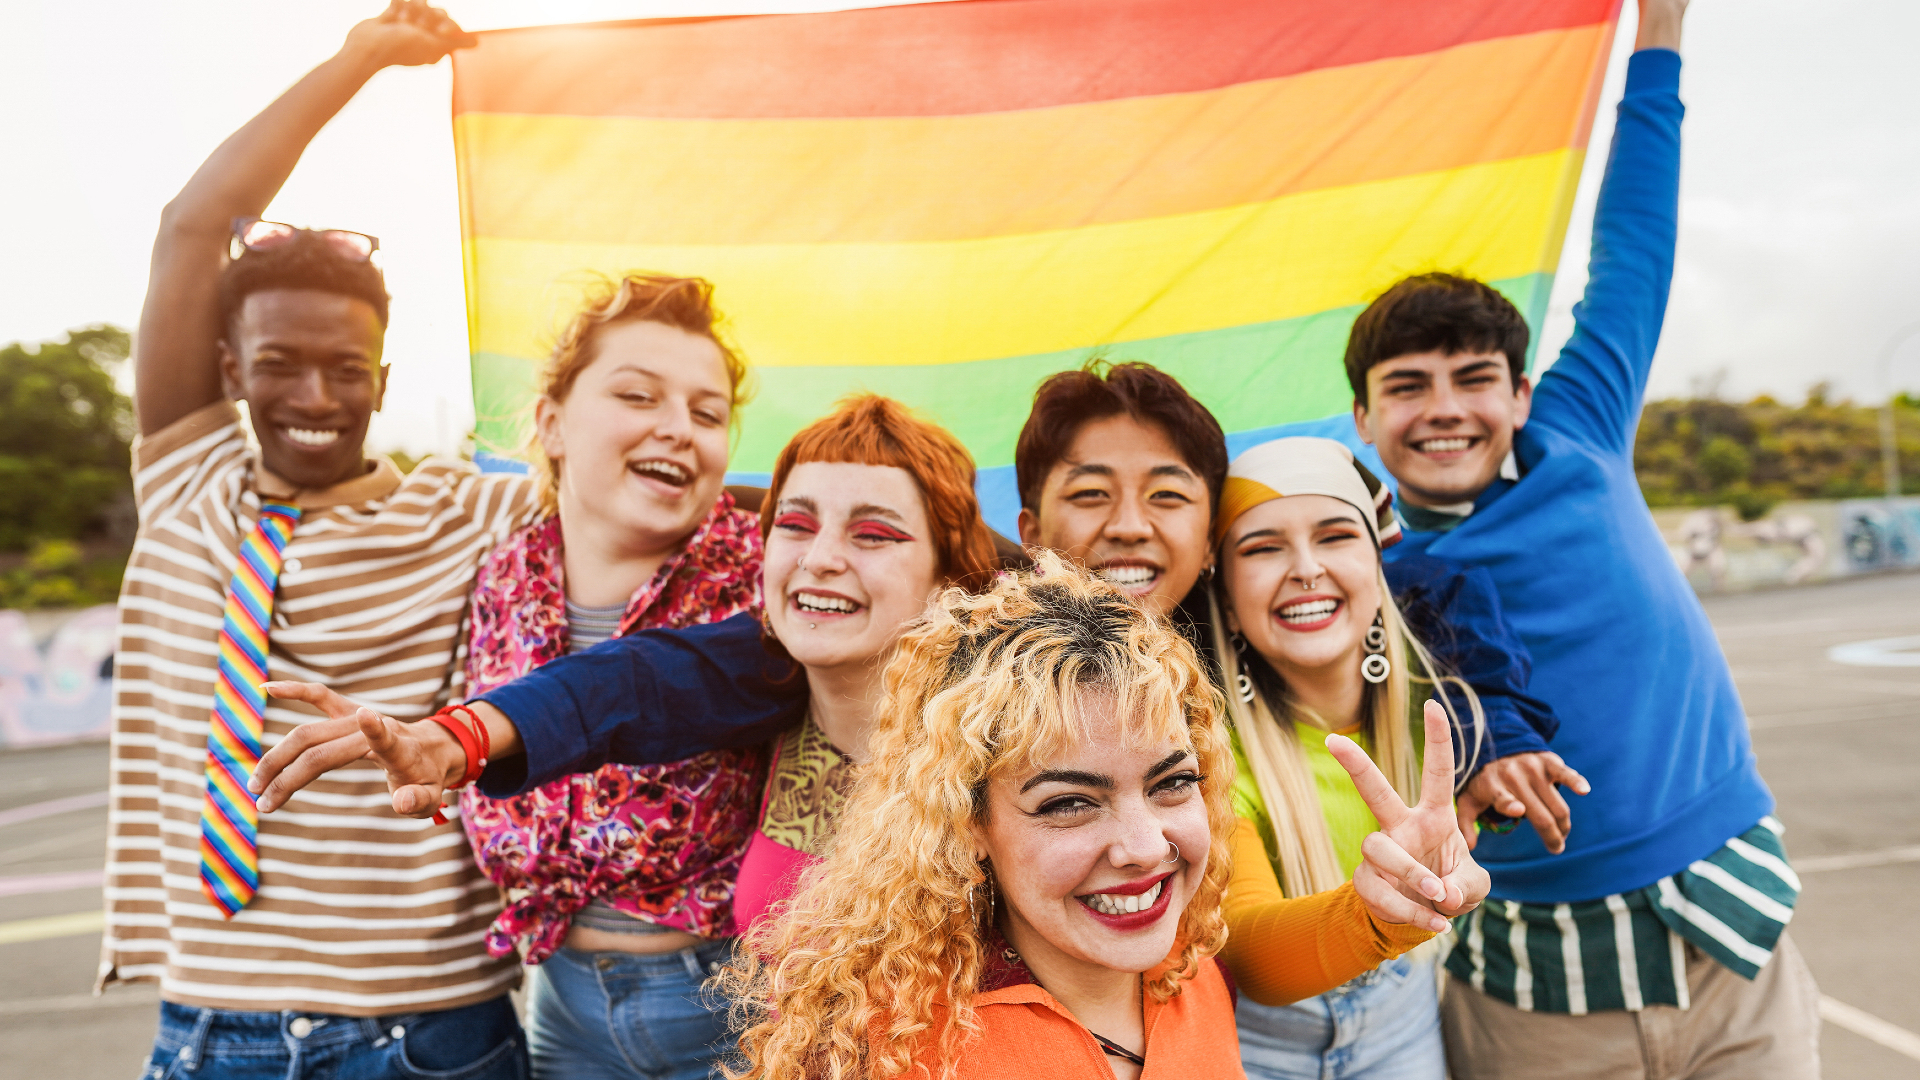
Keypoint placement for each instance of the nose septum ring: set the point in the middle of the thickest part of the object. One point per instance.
(1175, 848)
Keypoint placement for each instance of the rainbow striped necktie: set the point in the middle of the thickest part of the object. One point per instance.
(229, 821)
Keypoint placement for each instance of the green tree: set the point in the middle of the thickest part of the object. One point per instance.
(65, 433)
(1698, 452)
(1724, 461)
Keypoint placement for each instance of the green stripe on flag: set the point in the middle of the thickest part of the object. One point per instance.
(1251, 376)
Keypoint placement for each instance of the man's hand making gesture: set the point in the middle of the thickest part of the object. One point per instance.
(1524, 786)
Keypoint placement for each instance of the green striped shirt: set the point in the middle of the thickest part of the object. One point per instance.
(1628, 950)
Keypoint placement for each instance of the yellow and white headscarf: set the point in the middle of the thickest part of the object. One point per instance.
(1305, 465)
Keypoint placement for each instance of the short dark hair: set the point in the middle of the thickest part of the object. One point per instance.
(1444, 313)
(306, 262)
(1067, 401)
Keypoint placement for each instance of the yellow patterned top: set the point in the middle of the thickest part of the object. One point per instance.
(808, 786)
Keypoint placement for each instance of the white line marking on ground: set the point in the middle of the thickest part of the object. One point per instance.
(1881, 652)
(39, 883)
(1868, 1026)
(52, 806)
(1858, 859)
(52, 926)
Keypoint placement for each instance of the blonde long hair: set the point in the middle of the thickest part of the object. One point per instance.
(876, 959)
(1302, 841)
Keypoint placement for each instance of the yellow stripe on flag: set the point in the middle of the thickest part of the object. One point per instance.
(956, 301)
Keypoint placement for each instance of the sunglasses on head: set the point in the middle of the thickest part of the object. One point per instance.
(252, 234)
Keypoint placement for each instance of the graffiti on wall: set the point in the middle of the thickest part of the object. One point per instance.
(1797, 543)
(57, 690)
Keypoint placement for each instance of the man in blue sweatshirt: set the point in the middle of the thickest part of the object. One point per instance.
(1655, 945)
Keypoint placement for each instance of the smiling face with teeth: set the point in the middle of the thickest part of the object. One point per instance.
(1302, 580)
(1078, 847)
(1124, 503)
(640, 441)
(307, 363)
(1444, 423)
(849, 562)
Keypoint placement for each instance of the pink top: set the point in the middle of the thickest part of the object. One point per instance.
(661, 842)
(806, 788)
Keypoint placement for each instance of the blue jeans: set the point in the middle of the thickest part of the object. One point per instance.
(615, 1016)
(1384, 1025)
(474, 1042)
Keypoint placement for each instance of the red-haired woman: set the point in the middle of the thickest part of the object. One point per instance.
(870, 513)
(620, 879)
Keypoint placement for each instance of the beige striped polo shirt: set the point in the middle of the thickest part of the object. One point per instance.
(360, 911)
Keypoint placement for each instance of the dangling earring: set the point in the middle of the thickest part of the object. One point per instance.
(1242, 683)
(973, 896)
(1375, 667)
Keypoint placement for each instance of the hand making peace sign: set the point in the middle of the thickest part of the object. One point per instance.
(1417, 870)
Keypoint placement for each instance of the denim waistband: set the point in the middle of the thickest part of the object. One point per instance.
(1394, 968)
(312, 1029)
(696, 961)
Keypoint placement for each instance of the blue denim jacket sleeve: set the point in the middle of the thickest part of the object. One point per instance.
(1455, 612)
(652, 696)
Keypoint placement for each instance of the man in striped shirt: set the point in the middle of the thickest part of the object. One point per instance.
(1649, 939)
(361, 952)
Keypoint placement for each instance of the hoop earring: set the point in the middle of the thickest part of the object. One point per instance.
(1375, 667)
(1242, 684)
(1175, 848)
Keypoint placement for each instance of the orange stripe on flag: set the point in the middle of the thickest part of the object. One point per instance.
(945, 178)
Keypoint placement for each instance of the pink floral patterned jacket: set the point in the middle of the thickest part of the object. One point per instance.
(660, 842)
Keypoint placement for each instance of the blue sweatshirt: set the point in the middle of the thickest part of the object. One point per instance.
(662, 695)
(1621, 648)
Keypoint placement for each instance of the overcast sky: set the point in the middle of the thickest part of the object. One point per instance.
(1800, 214)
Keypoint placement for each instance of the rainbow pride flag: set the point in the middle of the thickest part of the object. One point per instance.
(947, 202)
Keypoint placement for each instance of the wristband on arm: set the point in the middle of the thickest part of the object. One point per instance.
(475, 740)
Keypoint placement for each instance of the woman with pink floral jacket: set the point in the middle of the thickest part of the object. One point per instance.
(619, 882)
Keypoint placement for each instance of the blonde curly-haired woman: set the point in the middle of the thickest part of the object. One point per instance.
(1029, 870)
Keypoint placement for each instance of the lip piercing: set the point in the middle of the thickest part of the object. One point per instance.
(1175, 848)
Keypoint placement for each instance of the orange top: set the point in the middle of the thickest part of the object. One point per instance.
(1281, 950)
(1025, 1031)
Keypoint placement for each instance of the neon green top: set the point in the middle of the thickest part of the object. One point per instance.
(1348, 819)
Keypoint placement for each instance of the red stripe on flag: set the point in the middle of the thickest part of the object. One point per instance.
(960, 58)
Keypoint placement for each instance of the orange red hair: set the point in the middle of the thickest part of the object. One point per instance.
(867, 429)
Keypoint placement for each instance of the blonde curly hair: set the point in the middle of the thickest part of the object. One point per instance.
(875, 960)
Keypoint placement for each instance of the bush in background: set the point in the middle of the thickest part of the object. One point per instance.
(1707, 452)
(66, 495)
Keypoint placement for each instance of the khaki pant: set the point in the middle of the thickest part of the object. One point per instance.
(1767, 1029)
